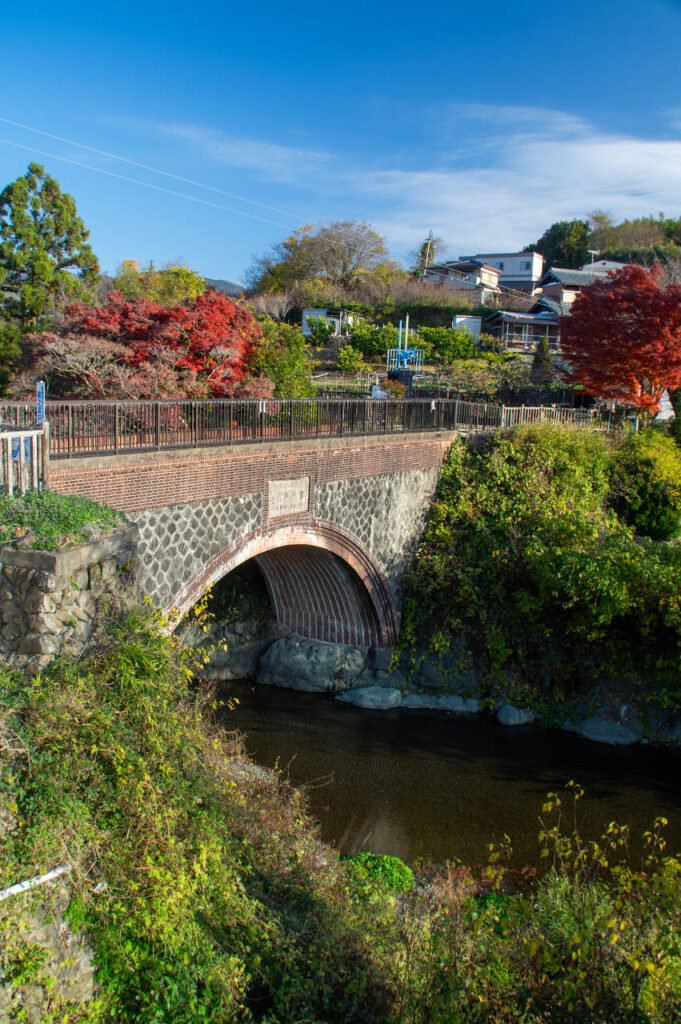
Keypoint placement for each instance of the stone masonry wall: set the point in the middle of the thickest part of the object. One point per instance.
(49, 600)
(387, 514)
(190, 505)
(174, 542)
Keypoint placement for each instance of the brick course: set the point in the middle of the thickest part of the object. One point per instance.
(134, 482)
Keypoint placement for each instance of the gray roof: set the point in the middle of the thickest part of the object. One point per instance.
(544, 316)
(550, 305)
(573, 277)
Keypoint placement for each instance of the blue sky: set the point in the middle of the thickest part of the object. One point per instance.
(485, 122)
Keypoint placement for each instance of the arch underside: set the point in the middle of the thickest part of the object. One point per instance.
(318, 596)
(323, 584)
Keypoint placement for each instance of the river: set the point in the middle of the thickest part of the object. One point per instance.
(426, 787)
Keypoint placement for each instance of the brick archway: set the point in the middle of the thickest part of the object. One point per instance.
(322, 582)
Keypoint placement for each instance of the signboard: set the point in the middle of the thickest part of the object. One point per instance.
(40, 402)
(286, 497)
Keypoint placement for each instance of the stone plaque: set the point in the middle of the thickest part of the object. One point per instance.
(286, 497)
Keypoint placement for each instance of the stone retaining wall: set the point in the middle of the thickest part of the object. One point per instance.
(50, 600)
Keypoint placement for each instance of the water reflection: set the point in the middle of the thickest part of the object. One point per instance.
(419, 786)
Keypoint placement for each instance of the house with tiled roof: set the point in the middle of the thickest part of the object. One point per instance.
(564, 284)
(477, 280)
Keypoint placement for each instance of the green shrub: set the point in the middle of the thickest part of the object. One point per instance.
(524, 554)
(447, 343)
(647, 484)
(372, 874)
(350, 360)
(54, 519)
(371, 340)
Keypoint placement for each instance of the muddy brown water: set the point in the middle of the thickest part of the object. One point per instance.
(420, 786)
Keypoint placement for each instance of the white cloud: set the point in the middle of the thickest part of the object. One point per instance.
(535, 181)
(279, 163)
(530, 167)
(508, 115)
(275, 160)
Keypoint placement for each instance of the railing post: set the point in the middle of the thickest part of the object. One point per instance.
(456, 413)
(340, 429)
(69, 429)
(117, 426)
(503, 417)
(290, 418)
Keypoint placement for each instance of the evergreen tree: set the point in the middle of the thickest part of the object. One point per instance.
(43, 249)
(542, 364)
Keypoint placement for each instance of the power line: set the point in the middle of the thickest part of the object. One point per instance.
(147, 167)
(337, 240)
(145, 184)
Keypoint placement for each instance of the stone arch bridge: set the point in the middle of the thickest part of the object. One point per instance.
(331, 522)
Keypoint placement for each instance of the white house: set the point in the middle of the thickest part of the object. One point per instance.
(518, 270)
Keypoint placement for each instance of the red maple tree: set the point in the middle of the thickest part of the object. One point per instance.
(622, 338)
(140, 349)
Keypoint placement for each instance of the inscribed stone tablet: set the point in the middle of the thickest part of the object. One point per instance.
(286, 497)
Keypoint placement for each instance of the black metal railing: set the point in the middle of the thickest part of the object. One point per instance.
(103, 428)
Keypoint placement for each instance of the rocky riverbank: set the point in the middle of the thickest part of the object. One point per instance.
(272, 656)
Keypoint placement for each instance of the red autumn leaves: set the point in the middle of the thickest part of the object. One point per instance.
(622, 338)
(140, 349)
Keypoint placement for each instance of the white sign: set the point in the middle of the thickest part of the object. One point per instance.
(286, 497)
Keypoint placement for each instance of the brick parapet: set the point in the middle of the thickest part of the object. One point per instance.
(138, 481)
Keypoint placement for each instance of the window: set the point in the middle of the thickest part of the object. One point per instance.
(527, 266)
(500, 266)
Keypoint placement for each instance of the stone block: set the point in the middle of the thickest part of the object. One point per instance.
(464, 705)
(109, 570)
(37, 601)
(94, 575)
(34, 644)
(79, 579)
(43, 624)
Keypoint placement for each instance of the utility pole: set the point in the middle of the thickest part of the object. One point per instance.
(427, 260)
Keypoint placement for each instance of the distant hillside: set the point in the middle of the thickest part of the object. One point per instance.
(230, 288)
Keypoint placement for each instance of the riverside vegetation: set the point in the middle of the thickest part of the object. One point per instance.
(198, 880)
(552, 553)
(200, 884)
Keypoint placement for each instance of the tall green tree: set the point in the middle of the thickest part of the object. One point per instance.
(564, 244)
(44, 254)
(284, 358)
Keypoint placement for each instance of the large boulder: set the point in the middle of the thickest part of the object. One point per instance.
(509, 714)
(603, 728)
(380, 698)
(299, 664)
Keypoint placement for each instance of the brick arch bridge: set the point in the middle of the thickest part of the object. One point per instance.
(322, 582)
(332, 523)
